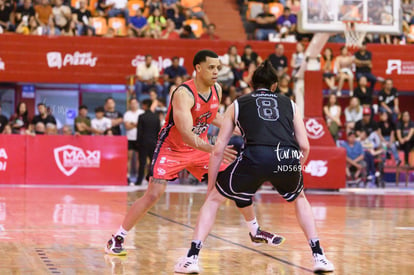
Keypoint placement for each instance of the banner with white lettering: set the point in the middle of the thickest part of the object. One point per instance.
(12, 159)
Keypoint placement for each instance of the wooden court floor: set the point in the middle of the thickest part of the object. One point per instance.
(62, 230)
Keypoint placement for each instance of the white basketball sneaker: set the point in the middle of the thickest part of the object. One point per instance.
(187, 265)
(322, 264)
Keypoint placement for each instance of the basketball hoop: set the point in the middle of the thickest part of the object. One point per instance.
(354, 36)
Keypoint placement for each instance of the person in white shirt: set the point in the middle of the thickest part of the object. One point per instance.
(100, 124)
(118, 7)
(131, 122)
(148, 75)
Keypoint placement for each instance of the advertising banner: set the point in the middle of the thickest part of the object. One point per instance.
(12, 159)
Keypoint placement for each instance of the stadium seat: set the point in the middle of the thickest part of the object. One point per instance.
(100, 25)
(133, 5)
(74, 4)
(118, 24)
(276, 9)
(196, 26)
(410, 36)
(92, 6)
(253, 9)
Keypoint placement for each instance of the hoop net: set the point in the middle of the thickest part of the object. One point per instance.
(353, 37)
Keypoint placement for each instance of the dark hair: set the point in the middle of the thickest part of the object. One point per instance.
(343, 47)
(264, 76)
(132, 98)
(99, 109)
(175, 58)
(109, 98)
(41, 104)
(148, 55)
(83, 107)
(332, 55)
(146, 103)
(247, 46)
(201, 56)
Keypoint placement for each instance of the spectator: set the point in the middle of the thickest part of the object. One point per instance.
(171, 72)
(250, 57)
(131, 123)
(405, 135)
(43, 12)
(332, 112)
(43, 117)
(83, 122)
(31, 28)
(187, 33)
(343, 68)
(170, 7)
(24, 12)
(233, 61)
(354, 156)
(100, 124)
(283, 86)
(178, 18)
(196, 9)
(3, 121)
(286, 23)
(102, 8)
(19, 121)
(210, 33)
(154, 4)
(353, 113)
(69, 29)
(154, 99)
(156, 23)
(370, 153)
(39, 128)
(294, 5)
(81, 17)
(115, 116)
(279, 60)
(178, 80)
(298, 58)
(170, 31)
(387, 136)
(388, 100)
(137, 24)
(67, 130)
(51, 129)
(265, 23)
(364, 93)
(147, 74)
(363, 62)
(7, 130)
(328, 65)
(61, 15)
(147, 134)
(118, 7)
(367, 124)
(6, 17)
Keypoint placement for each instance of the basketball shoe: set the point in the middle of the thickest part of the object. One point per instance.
(266, 237)
(322, 264)
(187, 265)
(115, 246)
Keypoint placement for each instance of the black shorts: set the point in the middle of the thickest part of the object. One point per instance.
(257, 164)
(132, 145)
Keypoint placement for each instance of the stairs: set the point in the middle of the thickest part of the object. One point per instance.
(226, 16)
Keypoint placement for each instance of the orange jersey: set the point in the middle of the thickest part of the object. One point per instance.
(203, 112)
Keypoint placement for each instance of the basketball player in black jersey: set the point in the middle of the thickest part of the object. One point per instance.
(276, 147)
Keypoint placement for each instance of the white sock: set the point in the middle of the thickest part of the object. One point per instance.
(121, 232)
(253, 225)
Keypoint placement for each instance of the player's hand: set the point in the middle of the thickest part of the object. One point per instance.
(230, 154)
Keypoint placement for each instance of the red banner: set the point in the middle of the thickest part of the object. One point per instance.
(12, 159)
(325, 168)
(109, 60)
(80, 160)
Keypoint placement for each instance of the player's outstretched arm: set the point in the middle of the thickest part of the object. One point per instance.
(221, 149)
(301, 137)
(182, 102)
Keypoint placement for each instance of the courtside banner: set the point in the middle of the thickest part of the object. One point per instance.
(110, 60)
(12, 159)
(325, 168)
(76, 160)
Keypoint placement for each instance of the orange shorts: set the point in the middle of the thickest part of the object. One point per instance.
(166, 164)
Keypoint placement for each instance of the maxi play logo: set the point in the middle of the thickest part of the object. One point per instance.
(69, 158)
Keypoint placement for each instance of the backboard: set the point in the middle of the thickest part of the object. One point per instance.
(377, 16)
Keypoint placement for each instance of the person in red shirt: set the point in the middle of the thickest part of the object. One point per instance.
(170, 32)
(182, 142)
(210, 33)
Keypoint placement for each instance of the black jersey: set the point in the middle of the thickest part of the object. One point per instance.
(266, 118)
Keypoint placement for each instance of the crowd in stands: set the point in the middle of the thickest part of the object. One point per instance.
(161, 19)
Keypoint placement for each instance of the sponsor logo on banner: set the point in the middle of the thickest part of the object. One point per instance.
(57, 60)
(2, 65)
(161, 62)
(314, 129)
(400, 66)
(3, 159)
(69, 158)
(317, 168)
